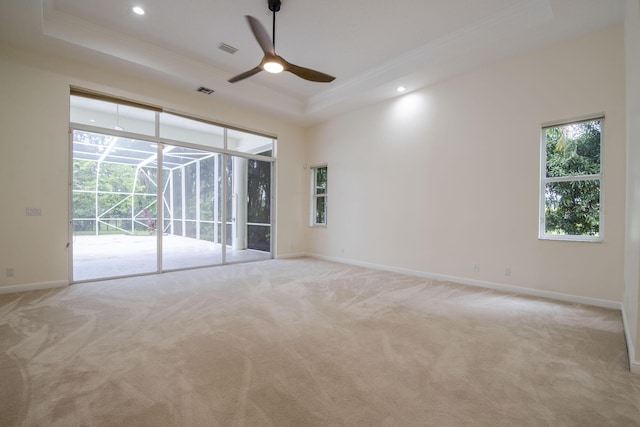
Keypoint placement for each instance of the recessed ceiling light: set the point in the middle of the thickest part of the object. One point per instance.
(401, 89)
(138, 10)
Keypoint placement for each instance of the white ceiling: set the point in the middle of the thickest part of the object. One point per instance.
(370, 46)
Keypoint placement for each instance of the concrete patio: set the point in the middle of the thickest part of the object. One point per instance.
(105, 256)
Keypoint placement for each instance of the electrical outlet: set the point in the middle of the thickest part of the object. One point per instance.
(475, 268)
(9, 272)
(33, 211)
(507, 271)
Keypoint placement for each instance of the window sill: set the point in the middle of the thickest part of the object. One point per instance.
(585, 239)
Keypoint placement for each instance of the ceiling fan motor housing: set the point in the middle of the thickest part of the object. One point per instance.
(274, 5)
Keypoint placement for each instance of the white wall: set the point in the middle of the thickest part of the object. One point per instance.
(448, 176)
(632, 248)
(34, 158)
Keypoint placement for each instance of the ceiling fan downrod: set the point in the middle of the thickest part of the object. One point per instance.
(274, 6)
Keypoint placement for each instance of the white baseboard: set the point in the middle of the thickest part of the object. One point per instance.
(634, 365)
(479, 283)
(33, 286)
(291, 255)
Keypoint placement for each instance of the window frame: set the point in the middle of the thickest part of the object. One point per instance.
(313, 212)
(544, 180)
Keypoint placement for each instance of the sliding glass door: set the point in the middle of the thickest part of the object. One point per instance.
(171, 194)
(250, 209)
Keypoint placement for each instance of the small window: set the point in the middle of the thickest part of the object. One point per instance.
(571, 187)
(112, 115)
(249, 143)
(178, 128)
(319, 196)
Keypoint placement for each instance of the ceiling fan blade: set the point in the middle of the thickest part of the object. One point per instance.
(261, 35)
(244, 75)
(307, 73)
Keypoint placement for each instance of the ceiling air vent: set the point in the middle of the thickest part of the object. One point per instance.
(229, 49)
(205, 90)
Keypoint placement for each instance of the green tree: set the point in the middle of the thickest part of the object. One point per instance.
(573, 206)
(259, 204)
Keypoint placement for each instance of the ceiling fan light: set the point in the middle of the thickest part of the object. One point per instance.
(273, 67)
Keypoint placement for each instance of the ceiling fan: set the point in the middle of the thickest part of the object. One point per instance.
(271, 62)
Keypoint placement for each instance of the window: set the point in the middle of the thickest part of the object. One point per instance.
(319, 196)
(571, 187)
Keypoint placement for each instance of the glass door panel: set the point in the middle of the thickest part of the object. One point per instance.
(192, 211)
(113, 206)
(250, 209)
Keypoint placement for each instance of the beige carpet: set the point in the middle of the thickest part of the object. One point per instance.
(305, 343)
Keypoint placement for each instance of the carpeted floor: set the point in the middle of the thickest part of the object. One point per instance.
(308, 343)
